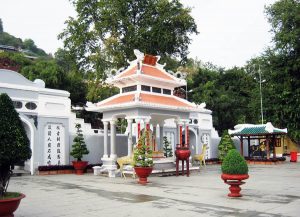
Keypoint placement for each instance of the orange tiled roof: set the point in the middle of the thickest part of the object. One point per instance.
(120, 100)
(164, 100)
(129, 72)
(154, 72)
(148, 98)
(147, 70)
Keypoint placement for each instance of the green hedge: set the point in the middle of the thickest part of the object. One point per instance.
(234, 163)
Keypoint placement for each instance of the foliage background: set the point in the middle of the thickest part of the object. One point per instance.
(95, 43)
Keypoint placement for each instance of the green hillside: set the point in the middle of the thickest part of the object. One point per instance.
(26, 46)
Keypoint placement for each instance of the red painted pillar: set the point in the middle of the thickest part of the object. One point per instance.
(139, 129)
(187, 136)
(148, 134)
(180, 135)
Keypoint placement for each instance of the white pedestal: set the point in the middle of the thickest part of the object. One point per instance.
(97, 170)
(109, 165)
(112, 173)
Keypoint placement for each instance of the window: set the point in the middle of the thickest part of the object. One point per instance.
(17, 104)
(31, 105)
(145, 88)
(156, 90)
(129, 89)
(167, 91)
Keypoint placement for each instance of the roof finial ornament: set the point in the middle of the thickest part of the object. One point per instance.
(90, 104)
(139, 55)
(158, 58)
(202, 105)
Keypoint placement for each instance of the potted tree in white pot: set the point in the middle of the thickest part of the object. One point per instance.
(78, 150)
(14, 148)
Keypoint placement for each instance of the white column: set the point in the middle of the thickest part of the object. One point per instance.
(178, 124)
(129, 141)
(105, 138)
(113, 155)
(198, 142)
(161, 135)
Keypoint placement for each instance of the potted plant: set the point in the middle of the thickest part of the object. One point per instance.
(234, 169)
(78, 150)
(142, 158)
(15, 147)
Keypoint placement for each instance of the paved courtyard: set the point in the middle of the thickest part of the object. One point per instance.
(272, 190)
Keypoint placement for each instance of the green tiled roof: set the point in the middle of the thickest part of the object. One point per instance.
(256, 130)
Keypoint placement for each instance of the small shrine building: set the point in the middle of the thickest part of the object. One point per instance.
(147, 99)
(267, 138)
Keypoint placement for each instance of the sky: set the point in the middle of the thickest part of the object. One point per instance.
(231, 31)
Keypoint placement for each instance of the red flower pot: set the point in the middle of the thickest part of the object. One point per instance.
(143, 173)
(234, 180)
(79, 166)
(8, 206)
(182, 153)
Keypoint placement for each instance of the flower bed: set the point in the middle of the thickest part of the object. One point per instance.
(278, 160)
(62, 169)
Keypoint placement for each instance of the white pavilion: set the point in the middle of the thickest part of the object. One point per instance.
(146, 98)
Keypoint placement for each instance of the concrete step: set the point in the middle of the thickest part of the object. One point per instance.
(19, 172)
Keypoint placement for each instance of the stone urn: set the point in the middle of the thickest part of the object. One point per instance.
(234, 180)
(182, 153)
(143, 173)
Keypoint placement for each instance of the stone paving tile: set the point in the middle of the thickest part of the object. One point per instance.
(271, 191)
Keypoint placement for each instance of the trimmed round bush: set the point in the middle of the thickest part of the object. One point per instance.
(14, 144)
(234, 163)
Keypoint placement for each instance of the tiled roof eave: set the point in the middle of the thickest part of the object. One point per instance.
(127, 78)
(258, 134)
(144, 105)
(253, 130)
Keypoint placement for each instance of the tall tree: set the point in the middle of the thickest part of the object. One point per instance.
(282, 63)
(105, 32)
(228, 93)
(46, 70)
(73, 79)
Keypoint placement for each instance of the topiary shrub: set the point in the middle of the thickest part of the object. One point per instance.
(234, 163)
(14, 144)
(167, 147)
(79, 147)
(225, 145)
